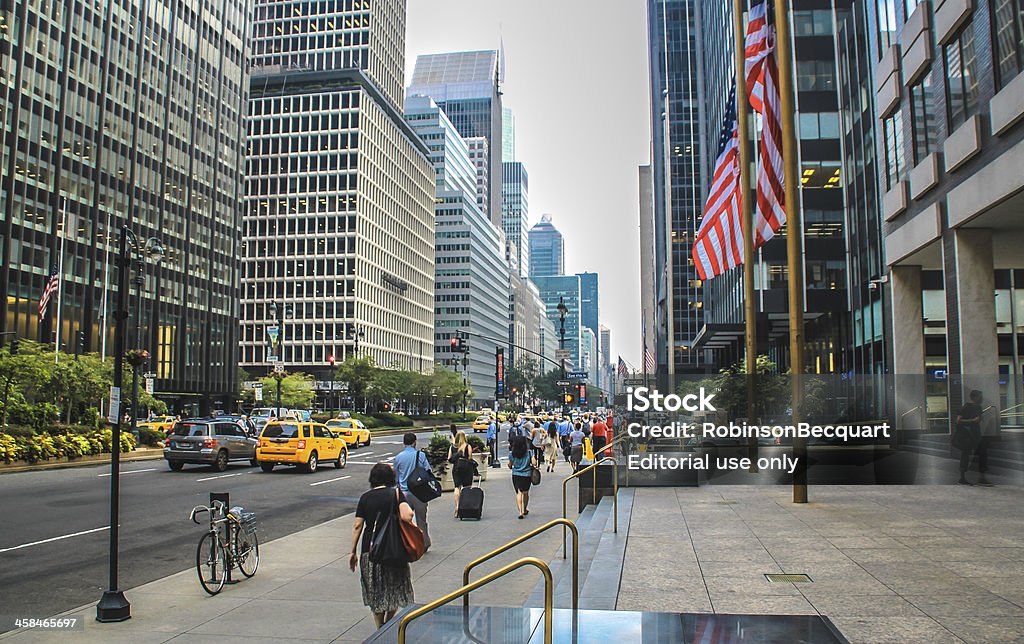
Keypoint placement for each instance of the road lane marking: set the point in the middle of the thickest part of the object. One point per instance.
(222, 476)
(361, 454)
(364, 462)
(66, 536)
(151, 469)
(340, 478)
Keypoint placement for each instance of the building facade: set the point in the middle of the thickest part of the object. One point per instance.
(547, 249)
(115, 116)
(479, 154)
(515, 210)
(949, 99)
(565, 289)
(471, 276)
(590, 310)
(467, 86)
(339, 210)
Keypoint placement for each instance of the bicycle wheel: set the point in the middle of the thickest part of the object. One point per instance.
(247, 551)
(211, 560)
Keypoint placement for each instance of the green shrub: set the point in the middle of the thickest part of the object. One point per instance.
(11, 449)
(369, 421)
(322, 417)
(386, 419)
(476, 443)
(151, 436)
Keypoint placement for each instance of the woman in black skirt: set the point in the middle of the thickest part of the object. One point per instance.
(385, 588)
(460, 455)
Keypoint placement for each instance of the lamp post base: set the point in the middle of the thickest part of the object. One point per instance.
(113, 607)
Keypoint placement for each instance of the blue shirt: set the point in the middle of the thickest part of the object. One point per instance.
(521, 466)
(563, 428)
(405, 463)
(492, 431)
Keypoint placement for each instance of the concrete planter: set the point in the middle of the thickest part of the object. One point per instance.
(443, 471)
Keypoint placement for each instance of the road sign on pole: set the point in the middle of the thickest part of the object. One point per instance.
(562, 354)
(562, 383)
(258, 393)
(278, 367)
(114, 412)
(578, 375)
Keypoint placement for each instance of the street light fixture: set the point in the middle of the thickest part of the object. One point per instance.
(285, 312)
(354, 333)
(563, 310)
(152, 253)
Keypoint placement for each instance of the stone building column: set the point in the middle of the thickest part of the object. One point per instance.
(908, 347)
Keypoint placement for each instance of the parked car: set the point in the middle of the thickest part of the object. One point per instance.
(158, 423)
(352, 430)
(301, 444)
(481, 423)
(208, 442)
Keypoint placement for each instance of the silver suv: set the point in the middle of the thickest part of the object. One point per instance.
(208, 442)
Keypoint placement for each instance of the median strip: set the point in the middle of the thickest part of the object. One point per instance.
(340, 478)
(66, 536)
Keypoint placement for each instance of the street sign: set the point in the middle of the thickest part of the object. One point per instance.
(273, 336)
(562, 354)
(578, 375)
(258, 393)
(114, 409)
(278, 367)
(150, 386)
(632, 382)
(562, 383)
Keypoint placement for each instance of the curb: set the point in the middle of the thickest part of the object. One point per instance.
(83, 461)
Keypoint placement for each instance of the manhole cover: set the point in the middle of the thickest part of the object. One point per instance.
(795, 579)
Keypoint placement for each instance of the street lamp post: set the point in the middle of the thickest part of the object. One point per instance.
(279, 314)
(153, 252)
(563, 310)
(355, 332)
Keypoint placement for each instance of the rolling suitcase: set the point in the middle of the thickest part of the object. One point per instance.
(471, 503)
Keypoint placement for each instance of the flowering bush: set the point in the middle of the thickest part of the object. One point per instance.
(44, 446)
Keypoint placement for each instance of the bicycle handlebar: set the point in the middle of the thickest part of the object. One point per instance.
(218, 506)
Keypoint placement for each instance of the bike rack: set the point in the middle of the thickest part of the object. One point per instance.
(225, 498)
(526, 537)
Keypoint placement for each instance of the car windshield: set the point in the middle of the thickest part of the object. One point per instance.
(281, 430)
(189, 429)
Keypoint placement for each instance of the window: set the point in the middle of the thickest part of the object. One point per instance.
(815, 76)
(908, 8)
(922, 116)
(812, 23)
(1009, 39)
(819, 125)
(885, 11)
(961, 72)
(892, 130)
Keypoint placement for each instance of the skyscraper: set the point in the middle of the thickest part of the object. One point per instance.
(471, 276)
(565, 289)
(115, 116)
(508, 135)
(515, 206)
(339, 212)
(589, 302)
(466, 85)
(547, 253)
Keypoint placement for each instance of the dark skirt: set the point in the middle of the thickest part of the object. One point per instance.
(521, 483)
(385, 588)
(462, 474)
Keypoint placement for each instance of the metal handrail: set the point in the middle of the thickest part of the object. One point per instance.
(615, 493)
(483, 581)
(609, 445)
(526, 537)
(904, 414)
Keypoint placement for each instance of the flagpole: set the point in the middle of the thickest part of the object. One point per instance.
(747, 213)
(60, 276)
(794, 228)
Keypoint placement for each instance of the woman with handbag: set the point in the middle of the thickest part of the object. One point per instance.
(386, 588)
(551, 446)
(460, 456)
(522, 463)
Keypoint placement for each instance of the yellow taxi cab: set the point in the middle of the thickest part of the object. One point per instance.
(481, 423)
(351, 430)
(303, 444)
(158, 423)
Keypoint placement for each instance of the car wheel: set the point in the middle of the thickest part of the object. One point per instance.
(367, 440)
(175, 465)
(312, 463)
(222, 461)
(342, 459)
(253, 462)
(267, 467)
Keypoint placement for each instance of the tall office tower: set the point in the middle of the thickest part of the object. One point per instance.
(606, 345)
(589, 354)
(508, 135)
(479, 155)
(515, 207)
(339, 212)
(720, 340)
(471, 276)
(565, 289)
(547, 250)
(648, 304)
(675, 39)
(467, 86)
(526, 312)
(115, 116)
(589, 302)
(948, 107)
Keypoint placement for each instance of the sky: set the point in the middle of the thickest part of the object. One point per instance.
(576, 78)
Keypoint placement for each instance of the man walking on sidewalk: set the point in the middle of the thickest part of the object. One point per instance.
(405, 464)
(492, 442)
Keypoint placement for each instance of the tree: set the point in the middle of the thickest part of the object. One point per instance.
(296, 391)
(545, 385)
(521, 377)
(358, 372)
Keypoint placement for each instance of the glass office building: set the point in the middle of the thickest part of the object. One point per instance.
(117, 113)
(566, 289)
(547, 249)
(339, 230)
(515, 214)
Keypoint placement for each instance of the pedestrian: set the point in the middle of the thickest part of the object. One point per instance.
(460, 455)
(492, 441)
(453, 431)
(521, 462)
(968, 439)
(599, 437)
(576, 446)
(385, 588)
(552, 445)
(406, 463)
(538, 437)
(564, 427)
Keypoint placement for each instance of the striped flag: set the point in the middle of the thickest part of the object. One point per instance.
(52, 287)
(623, 369)
(719, 242)
(650, 364)
(762, 76)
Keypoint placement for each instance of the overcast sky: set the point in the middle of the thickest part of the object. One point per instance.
(576, 80)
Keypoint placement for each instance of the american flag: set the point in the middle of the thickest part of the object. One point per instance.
(719, 242)
(623, 369)
(762, 76)
(52, 286)
(650, 364)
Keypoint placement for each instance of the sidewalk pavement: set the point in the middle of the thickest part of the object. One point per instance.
(304, 591)
(935, 563)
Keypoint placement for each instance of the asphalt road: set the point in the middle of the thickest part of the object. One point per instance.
(54, 523)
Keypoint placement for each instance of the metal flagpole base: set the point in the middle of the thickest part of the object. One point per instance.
(113, 607)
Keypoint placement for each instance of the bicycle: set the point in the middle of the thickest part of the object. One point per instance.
(231, 543)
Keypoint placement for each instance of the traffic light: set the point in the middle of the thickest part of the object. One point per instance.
(569, 399)
(455, 344)
(330, 360)
(458, 344)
